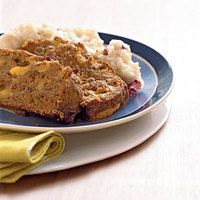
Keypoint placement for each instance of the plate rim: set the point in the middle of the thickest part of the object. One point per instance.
(102, 125)
(168, 106)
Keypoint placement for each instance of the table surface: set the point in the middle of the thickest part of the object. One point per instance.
(167, 165)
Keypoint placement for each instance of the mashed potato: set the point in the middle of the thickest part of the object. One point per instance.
(116, 53)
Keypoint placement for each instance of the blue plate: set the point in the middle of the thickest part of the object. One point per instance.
(158, 78)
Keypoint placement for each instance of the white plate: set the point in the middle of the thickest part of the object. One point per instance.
(98, 145)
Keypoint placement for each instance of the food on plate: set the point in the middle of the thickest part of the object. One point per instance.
(104, 92)
(33, 84)
(116, 53)
(103, 76)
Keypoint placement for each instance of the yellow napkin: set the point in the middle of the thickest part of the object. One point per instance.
(22, 152)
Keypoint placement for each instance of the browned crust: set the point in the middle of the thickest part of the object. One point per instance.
(105, 108)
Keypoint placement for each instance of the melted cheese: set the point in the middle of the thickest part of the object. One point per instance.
(44, 67)
(20, 71)
(107, 112)
(5, 93)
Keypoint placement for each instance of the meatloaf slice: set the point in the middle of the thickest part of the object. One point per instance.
(31, 84)
(104, 92)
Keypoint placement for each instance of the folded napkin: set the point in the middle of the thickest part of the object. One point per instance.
(22, 152)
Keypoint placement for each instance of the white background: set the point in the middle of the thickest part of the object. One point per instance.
(168, 165)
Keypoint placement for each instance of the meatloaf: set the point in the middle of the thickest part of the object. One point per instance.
(103, 91)
(34, 84)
